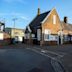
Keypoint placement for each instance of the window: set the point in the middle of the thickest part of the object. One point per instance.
(47, 33)
(27, 36)
(46, 37)
(33, 35)
(39, 34)
(54, 19)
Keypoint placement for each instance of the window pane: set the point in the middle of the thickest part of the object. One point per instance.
(46, 37)
(54, 19)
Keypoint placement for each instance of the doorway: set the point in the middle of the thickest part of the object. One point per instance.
(59, 40)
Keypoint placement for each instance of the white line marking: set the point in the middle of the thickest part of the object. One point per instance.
(43, 54)
(46, 51)
(54, 58)
(54, 53)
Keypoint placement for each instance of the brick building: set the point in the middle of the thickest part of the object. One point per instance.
(46, 28)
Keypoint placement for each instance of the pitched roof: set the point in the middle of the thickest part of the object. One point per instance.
(36, 23)
(66, 27)
(39, 18)
(1, 23)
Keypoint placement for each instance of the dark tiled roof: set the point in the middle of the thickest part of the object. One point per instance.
(66, 26)
(26, 30)
(1, 23)
(36, 23)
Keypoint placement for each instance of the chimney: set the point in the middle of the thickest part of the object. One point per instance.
(38, 11)
(65, 19)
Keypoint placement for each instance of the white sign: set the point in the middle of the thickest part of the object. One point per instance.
(1, 36)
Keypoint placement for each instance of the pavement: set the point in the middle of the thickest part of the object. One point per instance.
(62, 53)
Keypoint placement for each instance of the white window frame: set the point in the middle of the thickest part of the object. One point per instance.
(46, 37)
(33, 35)
(38, 34)
(54, 19)
(47, 33)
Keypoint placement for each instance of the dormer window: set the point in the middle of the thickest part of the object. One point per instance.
(54, 19)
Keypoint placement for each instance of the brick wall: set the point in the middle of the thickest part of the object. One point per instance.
(6, 39)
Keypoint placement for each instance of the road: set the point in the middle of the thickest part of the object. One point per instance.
(20, 56)
(24, 60)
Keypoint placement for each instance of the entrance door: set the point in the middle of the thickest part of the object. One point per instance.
(59, 40)
(16, 39)
(60, 37)
(22, 39)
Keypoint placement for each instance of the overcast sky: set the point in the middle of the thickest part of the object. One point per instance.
(25, 10)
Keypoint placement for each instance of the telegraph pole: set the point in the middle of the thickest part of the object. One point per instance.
(14, 20)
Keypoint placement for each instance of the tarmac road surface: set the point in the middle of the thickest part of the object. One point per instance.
(25, 60)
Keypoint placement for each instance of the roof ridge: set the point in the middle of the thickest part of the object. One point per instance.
(65, 23)
(45, 12)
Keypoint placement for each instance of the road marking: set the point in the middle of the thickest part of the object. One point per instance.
(43, 53)
(51, 52)
(46, 51)
(54, 60)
